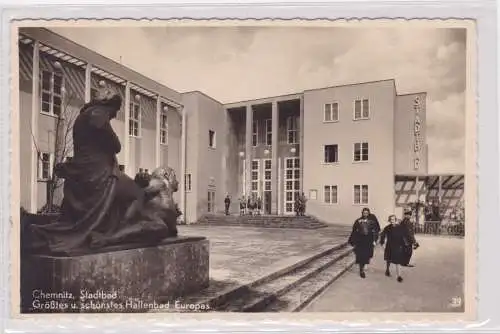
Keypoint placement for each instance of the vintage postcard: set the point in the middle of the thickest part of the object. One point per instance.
(214, 168)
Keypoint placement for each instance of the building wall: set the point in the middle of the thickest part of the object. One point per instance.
(190, 102)
(405, 135)
(210, 175)
(377, 173)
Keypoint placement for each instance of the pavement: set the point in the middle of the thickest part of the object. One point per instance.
(435, 284)
(239, 255)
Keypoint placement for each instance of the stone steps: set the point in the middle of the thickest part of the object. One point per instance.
(301, 222)
(298, 298)
(268, 291)
(261, 297)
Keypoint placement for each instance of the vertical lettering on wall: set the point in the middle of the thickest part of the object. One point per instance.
(417, 143)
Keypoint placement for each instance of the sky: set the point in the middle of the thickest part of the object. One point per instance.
(234, 64)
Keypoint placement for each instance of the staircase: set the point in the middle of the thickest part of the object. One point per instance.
(286, 290)
(269, 221)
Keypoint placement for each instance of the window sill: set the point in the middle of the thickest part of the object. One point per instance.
(324, 121)
(329, 204)
(361, 162)
(330, 163)
(136, 137)
(49, 114)
(361, 119)
(212, 148)
(360, 204)
(163, 144)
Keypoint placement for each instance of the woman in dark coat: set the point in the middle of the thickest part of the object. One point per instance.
(363, 238)
(98, 197)
(396, 238)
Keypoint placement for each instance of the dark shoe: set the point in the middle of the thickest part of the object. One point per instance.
(387, 273)
(409, 265)
(362, 274)
(400, 279)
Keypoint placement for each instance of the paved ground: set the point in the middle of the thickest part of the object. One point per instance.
(433, 285)
(243, 254)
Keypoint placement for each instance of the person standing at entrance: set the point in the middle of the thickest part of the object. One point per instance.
(227, 204)
(363, 238)
(398, 238)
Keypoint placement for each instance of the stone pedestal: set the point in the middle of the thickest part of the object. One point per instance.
(115, 280)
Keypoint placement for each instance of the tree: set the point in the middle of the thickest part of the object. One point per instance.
(61, 148)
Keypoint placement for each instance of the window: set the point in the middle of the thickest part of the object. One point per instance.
(292, 130)
(331, 154)
(360, 152)
(211, 201)
(269, 132)
(163, 126)
(267, 174)
(361, 194)
(332, 112)
(255, 178)
(45, 166)
(255, 133)
(211, 138)
(361, 109)
(135, 119)
(187, 182)
(292, 183)
(331, 195)
(51, 91)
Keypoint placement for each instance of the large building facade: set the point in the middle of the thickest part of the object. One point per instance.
(341, 146)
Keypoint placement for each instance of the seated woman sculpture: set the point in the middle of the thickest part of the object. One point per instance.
(99, 199)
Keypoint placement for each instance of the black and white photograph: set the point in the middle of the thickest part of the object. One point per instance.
(265, 167)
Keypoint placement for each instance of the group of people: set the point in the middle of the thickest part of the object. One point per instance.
(397, 237)
(250, 206)
(300, 204)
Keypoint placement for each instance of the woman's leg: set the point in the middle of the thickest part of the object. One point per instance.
(387, 269)
(362, 270)
(398, 272)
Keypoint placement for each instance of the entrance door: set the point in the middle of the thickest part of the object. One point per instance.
(267, 202)
(292, 183)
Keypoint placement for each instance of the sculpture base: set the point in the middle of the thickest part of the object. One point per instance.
(115, 280)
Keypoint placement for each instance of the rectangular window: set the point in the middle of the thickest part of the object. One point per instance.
(292, 182)
(255, 133)
(134, 119)
(267, 174)
(361, 194)
(45, 166)
(211, 139)
(211, 201)
(361, 109)
(331, 154)
(292, 130)
(187, 182)
(269, 132)
(51, 91)
(255, 175)
(331, 195)
(331, 112)
(360, 152)
(164, 125)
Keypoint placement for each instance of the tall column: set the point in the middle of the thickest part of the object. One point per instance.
(35, 110)
(126, 138)
(301, 143)
(274, 157)
(248, 149)
(280, 192)
(158, 132)
(183, 163)
(88, 82)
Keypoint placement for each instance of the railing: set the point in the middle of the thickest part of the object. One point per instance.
(438, 228)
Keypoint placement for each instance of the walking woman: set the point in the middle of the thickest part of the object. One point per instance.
(396, 238)
(363, 238)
